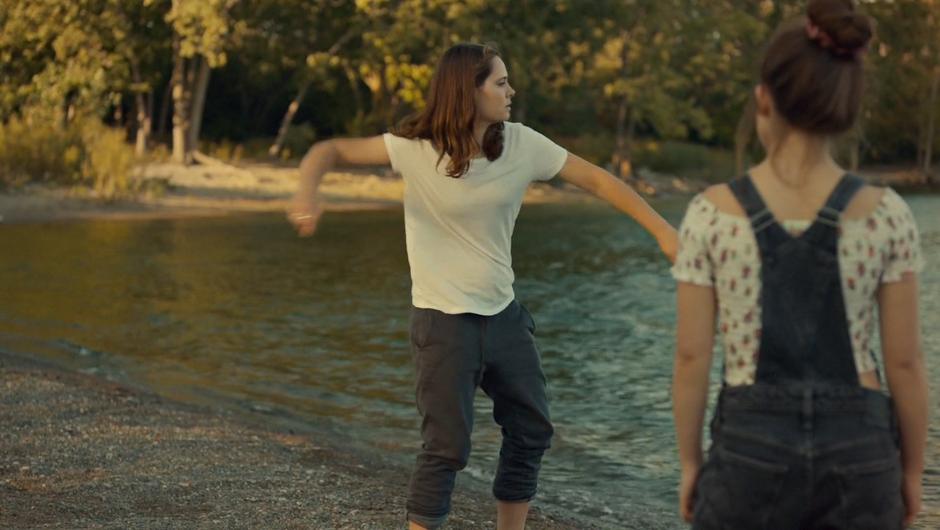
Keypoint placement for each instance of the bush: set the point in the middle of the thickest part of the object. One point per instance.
(685, 159)
(225, 150)
(256, 148)
(681, 159)
(108, 160)
(37, 149)
(298, 141)
(595, 148)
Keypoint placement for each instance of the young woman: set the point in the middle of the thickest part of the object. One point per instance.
(466, 169)
(792, 260)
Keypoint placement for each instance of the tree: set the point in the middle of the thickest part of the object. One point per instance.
(200, 28)
(640, 73)
(302, 38)
(60, 57)
(901, 122)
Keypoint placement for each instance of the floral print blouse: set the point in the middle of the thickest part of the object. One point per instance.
(718, 250)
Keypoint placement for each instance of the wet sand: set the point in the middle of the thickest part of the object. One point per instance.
(80, 451)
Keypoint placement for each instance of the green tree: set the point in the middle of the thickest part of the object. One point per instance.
(200, 31)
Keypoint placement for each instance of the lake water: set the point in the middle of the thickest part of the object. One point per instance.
(238, 312)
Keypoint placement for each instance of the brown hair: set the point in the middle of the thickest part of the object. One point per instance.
(814, 67)
(447, 119)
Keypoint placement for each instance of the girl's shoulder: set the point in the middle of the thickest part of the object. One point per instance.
(870, 201)
(720, 197)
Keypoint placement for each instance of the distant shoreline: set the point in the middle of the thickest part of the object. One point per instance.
(208, 191)
(219, 190)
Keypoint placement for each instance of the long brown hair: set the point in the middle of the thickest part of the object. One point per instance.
(447, 119)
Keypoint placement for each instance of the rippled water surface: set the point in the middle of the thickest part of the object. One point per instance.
(239, 312)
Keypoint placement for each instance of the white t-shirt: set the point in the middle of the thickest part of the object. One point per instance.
(459, 230)
(718, 250)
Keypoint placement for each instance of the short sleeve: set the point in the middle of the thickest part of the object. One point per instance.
(904, 250)
(693, 262)
(394, 145)
(546, 156)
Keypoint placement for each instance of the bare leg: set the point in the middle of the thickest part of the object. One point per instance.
(511, 515)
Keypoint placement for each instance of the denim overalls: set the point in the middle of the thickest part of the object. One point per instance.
(805, 447)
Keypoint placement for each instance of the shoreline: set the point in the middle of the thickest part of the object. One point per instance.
(86, 451)
(220, 190)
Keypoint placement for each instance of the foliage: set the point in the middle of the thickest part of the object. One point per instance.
(605, 75)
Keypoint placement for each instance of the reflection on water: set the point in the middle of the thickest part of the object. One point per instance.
(241, 312)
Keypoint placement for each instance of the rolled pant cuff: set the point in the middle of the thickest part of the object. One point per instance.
(515, 498)
(431, 523)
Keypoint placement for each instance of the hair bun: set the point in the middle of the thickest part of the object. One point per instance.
(848, 30)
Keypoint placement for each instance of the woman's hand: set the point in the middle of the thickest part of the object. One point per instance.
(687, 492)
(615, 191)
(669, 243)
(304, 213)
(306, 207)
(912, 490)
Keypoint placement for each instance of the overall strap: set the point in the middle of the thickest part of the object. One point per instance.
(839, 199)
(805, 333)
(825, 229)
(755, 207)
(767, 230)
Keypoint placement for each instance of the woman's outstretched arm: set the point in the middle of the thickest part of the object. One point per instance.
(609, 188)
(306, 207)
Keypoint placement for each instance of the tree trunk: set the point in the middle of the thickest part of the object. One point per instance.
(165, 108)
(621, 158)
(119, 113)
(621, 164)
(144, 111)
(199, 100)
(150, 104)
(374, 81)
(855, 148)
(931, 126)
(356, 128)
(275, 148)
(181, 106)
(855, 155)
(381, 100)
(520, 103)
(921, 141)
(631, 136)
(143, 126)
(278, 144)
(392, 101)
(743, 134)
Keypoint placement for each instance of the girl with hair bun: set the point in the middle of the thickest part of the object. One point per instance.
(795, 263)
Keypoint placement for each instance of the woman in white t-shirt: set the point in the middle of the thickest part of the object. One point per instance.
(466, 170)
(791, 262)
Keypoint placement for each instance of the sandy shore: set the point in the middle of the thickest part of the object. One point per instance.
(206, 190)
(82, 452)
(221, 189)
